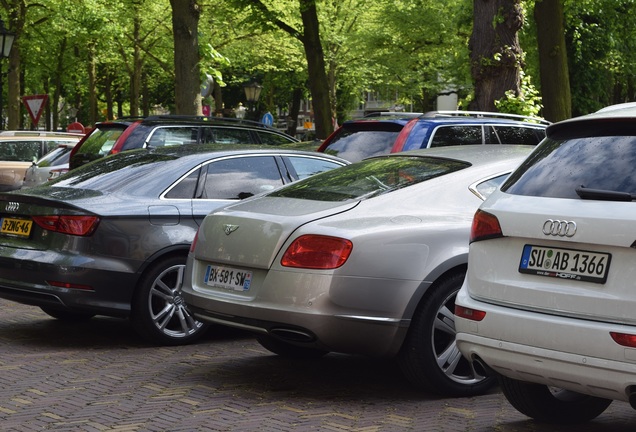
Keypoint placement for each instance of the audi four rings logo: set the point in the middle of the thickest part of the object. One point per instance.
(12, 206)
(559, 228)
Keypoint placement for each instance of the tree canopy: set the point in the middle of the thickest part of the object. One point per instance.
(101, 60)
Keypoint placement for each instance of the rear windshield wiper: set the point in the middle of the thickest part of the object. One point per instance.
(604, 195)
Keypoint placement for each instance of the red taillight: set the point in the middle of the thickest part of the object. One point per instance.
(485, 226)
(194, 242)
(624, 339)
(470, 314)
(70, 285)
(398, 145)
(317, 252)
(65, 224)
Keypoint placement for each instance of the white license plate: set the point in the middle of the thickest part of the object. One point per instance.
(228, 278)
(569, 264)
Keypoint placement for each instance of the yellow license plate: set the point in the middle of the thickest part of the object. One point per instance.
(18, 227)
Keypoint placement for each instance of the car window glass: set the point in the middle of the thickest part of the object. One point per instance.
(238, 178)
(306, 166)
(55, 156)
(185, 188)
(369, 178)
(20, 151)
(456, 135)
(100, 141)
(270, 138)
(170, 136)
(355, 145)
(557, 168)
(231, 136)
(517, 135)
(487, 187)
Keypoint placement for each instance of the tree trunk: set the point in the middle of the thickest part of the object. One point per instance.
(495, 54)
(92, 84)
(59, 71)
(135, 79)
(185, 23)
(294, 110)
(318, 84)
(553, 60)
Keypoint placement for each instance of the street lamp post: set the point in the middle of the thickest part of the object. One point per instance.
(6, 42)
(252, 93)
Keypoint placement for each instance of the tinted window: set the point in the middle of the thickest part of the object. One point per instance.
(99, 142)
(517, 135)
(456, 135)
(369, 178)
(305, 166)
(557, 168)
(270, 138)
(231, 136)
(169, 136)
(185, 188)
(239, 178)
(355, 145)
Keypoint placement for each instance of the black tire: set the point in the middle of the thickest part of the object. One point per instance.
(429, 357)
(288, 350)
(67, 316)
(551, 405)
(159, 313)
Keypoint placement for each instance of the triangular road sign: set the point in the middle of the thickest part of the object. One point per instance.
(34, 105)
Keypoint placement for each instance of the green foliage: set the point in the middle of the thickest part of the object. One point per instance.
(527, 102)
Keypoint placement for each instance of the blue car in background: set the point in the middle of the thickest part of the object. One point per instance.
(382, 133)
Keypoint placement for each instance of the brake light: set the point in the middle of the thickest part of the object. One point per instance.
(624, 339)
(317, 252)
(66, 224)
(485, 226)
(69, 285)
(469, 314)
(398, 145)
(194, 242)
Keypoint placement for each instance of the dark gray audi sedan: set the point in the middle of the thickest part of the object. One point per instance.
(111, 237)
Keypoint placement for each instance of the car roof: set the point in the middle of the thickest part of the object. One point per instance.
(19, 134)
(451, 117)
(614, 120)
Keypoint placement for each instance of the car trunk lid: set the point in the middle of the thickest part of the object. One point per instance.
(251, 233)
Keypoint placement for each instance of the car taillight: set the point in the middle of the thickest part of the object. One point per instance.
(398, 145)
(624, 339)
(317, 252)
(66, 224)
(470, 314)
(194, 242)
(485, 226)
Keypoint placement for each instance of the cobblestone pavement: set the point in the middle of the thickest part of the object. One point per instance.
(98, 376)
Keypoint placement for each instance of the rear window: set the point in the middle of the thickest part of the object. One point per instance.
(98, 144)
(559, 167)
(369, 178)
(355, 144)
(20, 151)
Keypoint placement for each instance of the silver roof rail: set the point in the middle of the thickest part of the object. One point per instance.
(487, 114)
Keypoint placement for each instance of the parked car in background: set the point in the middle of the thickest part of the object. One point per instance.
(19, 149)
(111, 237)
(50, 166)
(549, 301)
(170, 130)
(365, 259)
(382, 133)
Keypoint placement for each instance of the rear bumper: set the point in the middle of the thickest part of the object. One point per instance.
(61, 284)
(569, 353)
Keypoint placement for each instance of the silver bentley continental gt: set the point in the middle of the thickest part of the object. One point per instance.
(111, 237)
(366, 259)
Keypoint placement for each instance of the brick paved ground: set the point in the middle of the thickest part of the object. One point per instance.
(98, 376)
